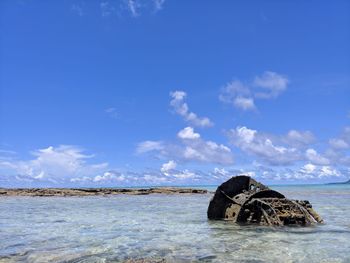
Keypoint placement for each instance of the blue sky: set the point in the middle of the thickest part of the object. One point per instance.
(154, 92)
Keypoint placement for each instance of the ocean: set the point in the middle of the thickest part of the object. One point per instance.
(170, 227)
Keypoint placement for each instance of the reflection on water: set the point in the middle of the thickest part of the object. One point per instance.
(174, 227)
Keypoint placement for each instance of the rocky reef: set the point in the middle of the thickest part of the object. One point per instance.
(241, 199)
(96, 191)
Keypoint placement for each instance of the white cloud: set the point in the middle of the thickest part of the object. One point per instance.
(308, 171)
(133, 6)
(220, 172)
(244, 103)
(80, 179)
(186, 174)
(109, 176)
(342, 142)
(122, 179)
(327, 171)
(148, 146)
(54, 163)
(166, 167)
(341, 147)
(251, 142)
(346, 133)
(188, 133)
(245, 135)
(272, 83)
(337, 156)
(190, 148)
(6, 155)
(237, 94)
(242, 96)
(308, 168)
(181, 108)
(207, 151)
(154, 179)
(233, 90)
(298, 138)
(314, 157)
(338, 143)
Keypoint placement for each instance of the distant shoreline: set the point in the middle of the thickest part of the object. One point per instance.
(347, 182)
(96, 191)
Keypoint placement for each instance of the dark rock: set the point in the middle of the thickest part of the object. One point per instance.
(96, 191)
(241, 199)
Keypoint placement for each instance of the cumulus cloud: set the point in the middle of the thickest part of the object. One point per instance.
(299, 138)
(186, 174)
(238, 94)
(251, 142)
(209, 152)
(181, 108)
(154, 179)
(166, 167)
(54, 163)
(196, 149)
(68, 165)
(270, 148)
(327, 171)
(220, 172)
(171, 177)
(190, 148)
(243, 95)
(342, 142)
(307, 172)
(338, 143)
(244, 103)
(116, 178)
(308, 168)
(271, 83)
(310, 171)
(109, 176)
(188, 133)
(148, 146)
(338, 151)
(7, 155)
(314, 157)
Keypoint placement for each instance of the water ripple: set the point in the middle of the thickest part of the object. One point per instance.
(173, 228)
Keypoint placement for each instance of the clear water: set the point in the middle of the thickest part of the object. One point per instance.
(174, 227)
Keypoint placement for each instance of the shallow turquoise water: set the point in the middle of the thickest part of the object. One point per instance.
(174, 227)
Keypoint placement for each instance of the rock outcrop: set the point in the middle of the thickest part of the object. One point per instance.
(96, 191)
(241, 199)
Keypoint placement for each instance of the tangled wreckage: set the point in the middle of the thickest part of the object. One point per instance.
(241, 199)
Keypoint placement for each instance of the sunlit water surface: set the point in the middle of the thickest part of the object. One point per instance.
(172, 227)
